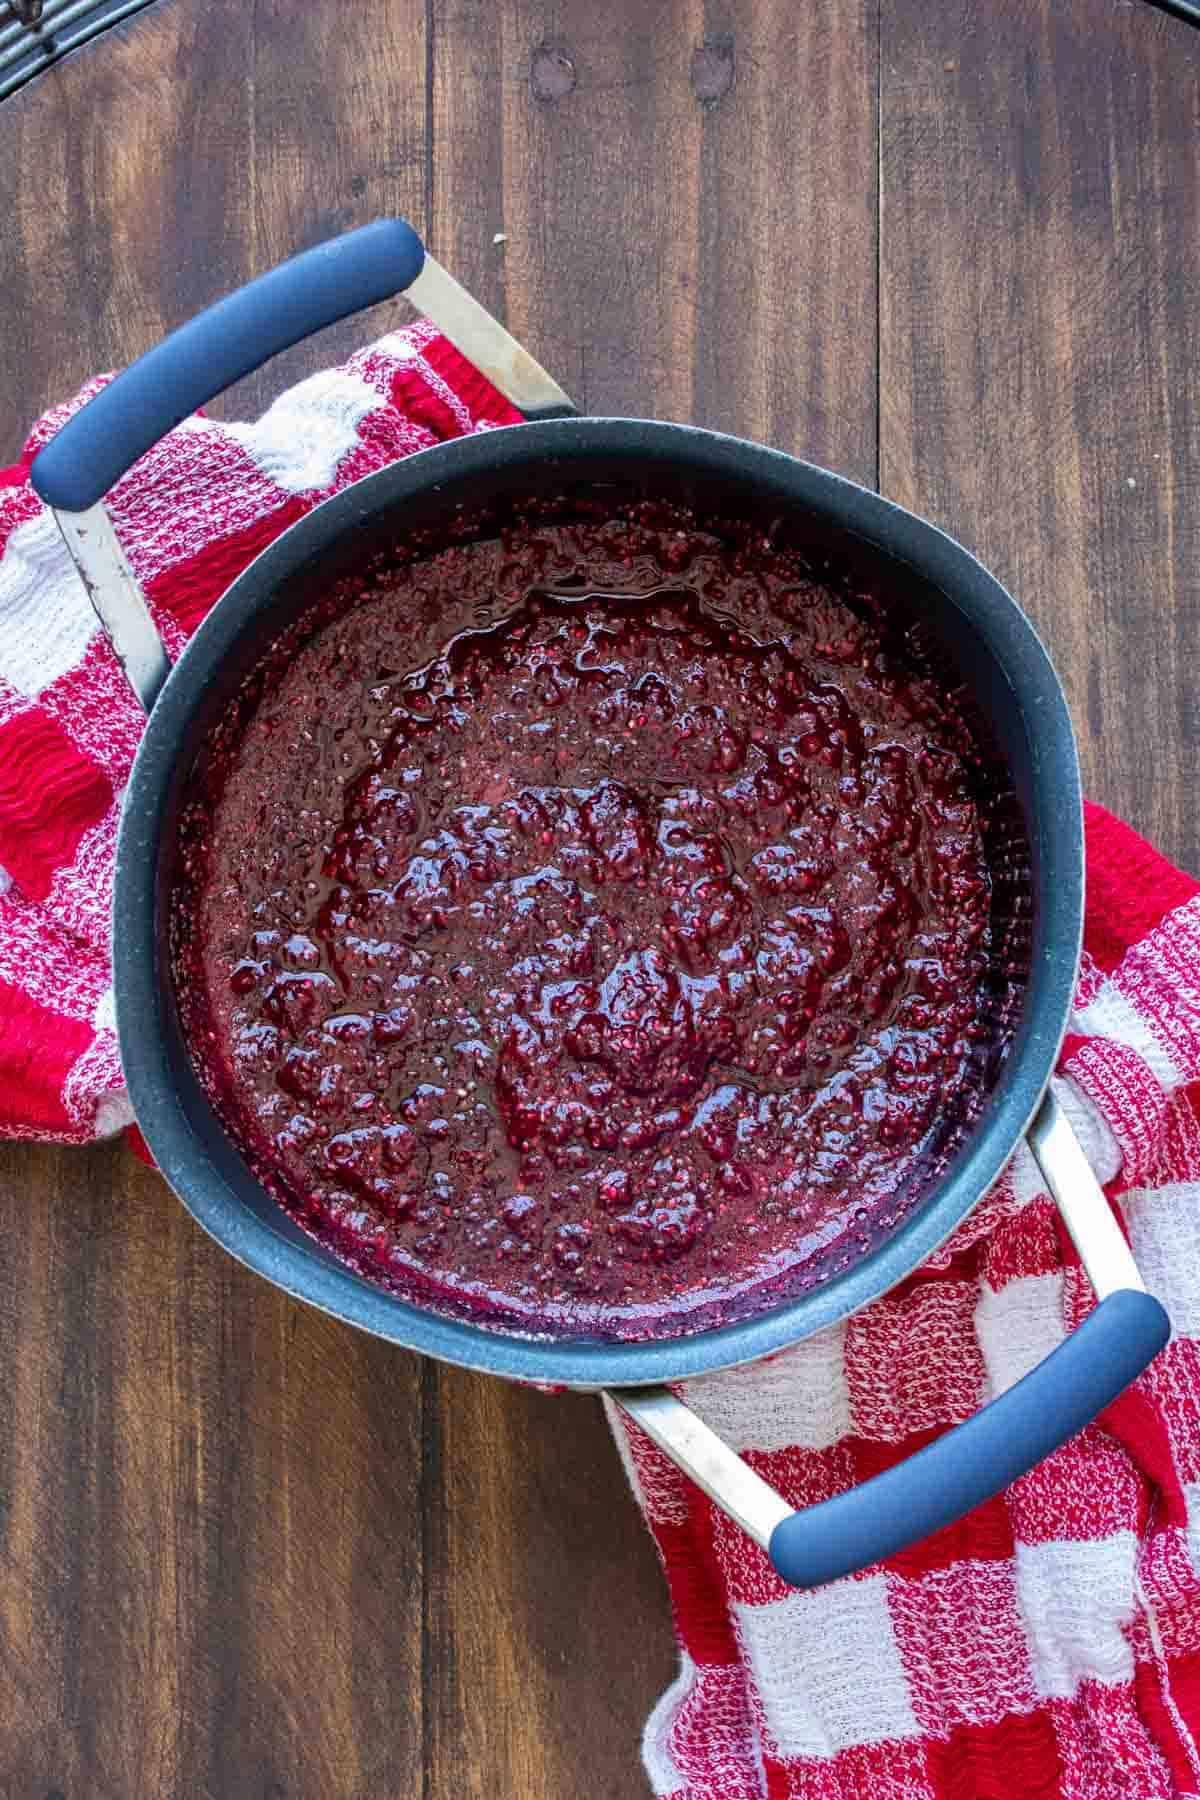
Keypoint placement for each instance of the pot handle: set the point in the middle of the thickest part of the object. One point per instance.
(975, 1460)
(101, 442)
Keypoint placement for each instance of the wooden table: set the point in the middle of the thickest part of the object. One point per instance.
(952, 251)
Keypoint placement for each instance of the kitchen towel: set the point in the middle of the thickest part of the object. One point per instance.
(1049, 1645)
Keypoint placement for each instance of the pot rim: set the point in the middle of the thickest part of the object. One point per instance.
(205, 1174)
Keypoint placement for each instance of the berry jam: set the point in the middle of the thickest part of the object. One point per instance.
(588, 928)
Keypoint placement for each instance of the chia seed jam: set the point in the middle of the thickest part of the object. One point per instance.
(588, 928)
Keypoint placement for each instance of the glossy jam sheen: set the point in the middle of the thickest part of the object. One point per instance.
(588, 929)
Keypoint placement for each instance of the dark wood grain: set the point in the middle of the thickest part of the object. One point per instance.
(1040, 260)
(245, 1551)
(687, 200)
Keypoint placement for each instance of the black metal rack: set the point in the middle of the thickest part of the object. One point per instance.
(36, 33)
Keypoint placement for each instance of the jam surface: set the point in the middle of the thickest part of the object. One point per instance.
(588, 928)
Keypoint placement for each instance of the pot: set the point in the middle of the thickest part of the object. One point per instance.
(980, 629)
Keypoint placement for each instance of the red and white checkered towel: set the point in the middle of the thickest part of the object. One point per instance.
(1050, 1644)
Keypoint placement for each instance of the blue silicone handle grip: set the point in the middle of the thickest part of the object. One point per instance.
(968, 1465)
(316, 288)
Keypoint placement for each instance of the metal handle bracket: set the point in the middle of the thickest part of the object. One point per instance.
(117, 598)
